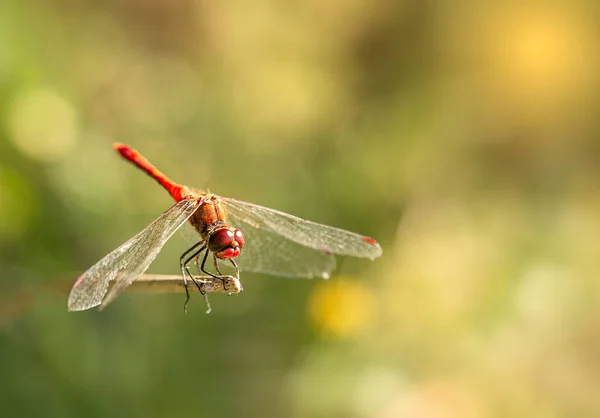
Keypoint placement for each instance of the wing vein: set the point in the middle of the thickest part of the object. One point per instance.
(127, 262)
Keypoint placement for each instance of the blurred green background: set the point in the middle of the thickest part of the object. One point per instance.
(463, 136)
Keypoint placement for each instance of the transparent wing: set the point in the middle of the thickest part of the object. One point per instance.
(125, 264)
(265, 252)
(281, 244)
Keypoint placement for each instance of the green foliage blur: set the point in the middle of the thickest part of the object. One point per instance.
(463, 136)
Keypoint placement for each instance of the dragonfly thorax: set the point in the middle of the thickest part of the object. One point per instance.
(209, 216)
(210, 220)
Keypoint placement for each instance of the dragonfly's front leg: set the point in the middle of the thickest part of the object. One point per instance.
(237, 272)
(222, 277)
(235, 267)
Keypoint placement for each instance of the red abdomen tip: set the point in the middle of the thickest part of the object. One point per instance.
(123, 149)
(136, 158)
(370, 240)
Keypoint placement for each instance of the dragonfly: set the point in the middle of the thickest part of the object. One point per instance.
(245, 236)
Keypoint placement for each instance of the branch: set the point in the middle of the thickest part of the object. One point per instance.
(173, 283)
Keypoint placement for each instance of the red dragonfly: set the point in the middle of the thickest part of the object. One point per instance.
(273, 242)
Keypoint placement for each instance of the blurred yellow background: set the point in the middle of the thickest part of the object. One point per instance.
(463, 136)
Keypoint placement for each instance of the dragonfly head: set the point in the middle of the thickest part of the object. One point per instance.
(226, 242)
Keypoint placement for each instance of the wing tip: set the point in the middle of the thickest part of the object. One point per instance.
(74, 306)
(376, 248)
(370, 240)
(76, 302)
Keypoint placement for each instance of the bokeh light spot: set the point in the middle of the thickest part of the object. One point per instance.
(42, 125)
(540, 64)
(545, 54)
(342, 308)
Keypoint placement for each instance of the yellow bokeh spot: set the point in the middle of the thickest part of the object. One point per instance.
(342, 307)
(42, 125)
(538, 63)
(546, 54)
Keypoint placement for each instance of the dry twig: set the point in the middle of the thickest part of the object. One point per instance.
(173, 283)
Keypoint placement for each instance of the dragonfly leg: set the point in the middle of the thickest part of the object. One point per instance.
(237, 272)
(184, 260)
(217, 265)
(201, 269)
(192, 257)
(183, 275)
(237, 269)
(222, 277)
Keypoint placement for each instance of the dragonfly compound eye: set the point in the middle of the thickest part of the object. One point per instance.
(239, 237)
(220, 240)
(226, 243)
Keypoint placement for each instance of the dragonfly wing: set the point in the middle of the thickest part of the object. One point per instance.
(282, 244)
(310, 234)
(271, 253)
(126, 263)
(189, 234)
